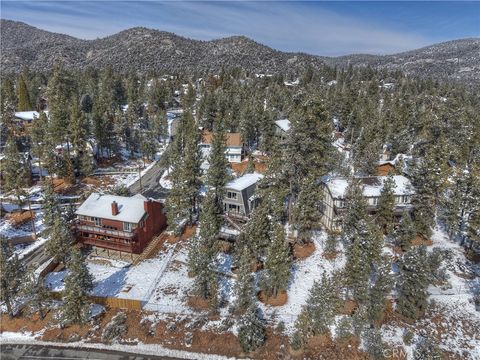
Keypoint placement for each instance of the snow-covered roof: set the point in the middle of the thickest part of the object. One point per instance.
(28, 115)
(130, 209)
(244, 181)
(283, 124)
(372, 186)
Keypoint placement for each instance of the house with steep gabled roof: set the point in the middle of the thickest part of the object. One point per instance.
(119, 223)
(240, 198)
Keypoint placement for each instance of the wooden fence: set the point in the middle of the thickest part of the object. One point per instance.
(111, 302)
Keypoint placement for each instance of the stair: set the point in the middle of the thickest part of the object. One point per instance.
(233, 222)
(150, 248)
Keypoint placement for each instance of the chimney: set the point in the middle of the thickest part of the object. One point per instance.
(147, 206)
(114, 208)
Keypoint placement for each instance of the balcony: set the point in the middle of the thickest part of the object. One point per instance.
(114, 244)
(106, 232)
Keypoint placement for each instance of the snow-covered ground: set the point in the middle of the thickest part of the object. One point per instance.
(304, 273)
(454, 319)
(164, 182)
(115, 278)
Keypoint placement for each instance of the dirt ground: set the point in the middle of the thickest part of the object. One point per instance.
(175, 333)
(302, 252)
(279, 300)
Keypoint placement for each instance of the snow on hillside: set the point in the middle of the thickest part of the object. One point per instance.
(305, 272)
(453, 320)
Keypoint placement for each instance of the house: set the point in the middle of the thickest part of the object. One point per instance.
(281, 128)
(119, 223)
(334, 203)
(240, 197)
(234, 149)
(27, 117)
(385, 167)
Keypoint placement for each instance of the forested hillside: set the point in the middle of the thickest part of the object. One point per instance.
(287, 285)
(145, 50)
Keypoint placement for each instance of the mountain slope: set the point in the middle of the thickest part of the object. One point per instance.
(143, 49)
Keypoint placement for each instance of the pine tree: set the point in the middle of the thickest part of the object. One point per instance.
(13, 170)
(363, 253)
(59, 92)
(50, 207)
(251, 333)
(386, 203)
(320, 309)
(380, 288)
(413, 281)
(203, 250)
(182, 201)
(24, 103)
(331, 244)
(427, 349)
(423, 199)
(276, 275)
(78, 283)
(356, 208)
(250, 169)
(244, 286)
(217, 174)
(35, 293)
(258, 232)
(306, 213)
(374, 344)
(60, 241)
(66, 168)
(12, 272)
(405, 233)
(38, 136)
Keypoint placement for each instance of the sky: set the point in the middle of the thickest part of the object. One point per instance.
(327, 28)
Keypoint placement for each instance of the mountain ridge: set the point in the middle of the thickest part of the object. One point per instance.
(143, 49)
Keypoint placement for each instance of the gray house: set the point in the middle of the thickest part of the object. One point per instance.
(334, 204)
(240, 196)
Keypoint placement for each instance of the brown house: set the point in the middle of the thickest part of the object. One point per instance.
(234, 150)
(385, 167)
(120, 223)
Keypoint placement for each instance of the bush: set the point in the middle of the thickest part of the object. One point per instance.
(280, 328)
(296, 342)
(115, 328)
(408, 337)
(251, 334)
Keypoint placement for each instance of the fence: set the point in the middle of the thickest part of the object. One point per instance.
(117, 303)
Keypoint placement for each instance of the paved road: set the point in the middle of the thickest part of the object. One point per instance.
(41, 352)
(150, 186)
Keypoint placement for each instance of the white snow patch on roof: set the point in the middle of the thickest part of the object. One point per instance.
(28, 115)
(338, 186)
(244, 181)
(130, 209)
(283, 124)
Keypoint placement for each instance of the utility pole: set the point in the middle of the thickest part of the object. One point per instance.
(140, 178)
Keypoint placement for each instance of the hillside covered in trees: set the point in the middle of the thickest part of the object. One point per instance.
(286, 284)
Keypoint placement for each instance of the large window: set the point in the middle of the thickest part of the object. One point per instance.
(232, 195)
(127, 226)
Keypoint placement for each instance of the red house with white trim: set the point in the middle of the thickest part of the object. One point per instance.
(119, 223)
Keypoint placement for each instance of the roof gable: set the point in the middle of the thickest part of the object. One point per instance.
(130, 209)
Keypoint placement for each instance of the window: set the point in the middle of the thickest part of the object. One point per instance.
(127, 226)
(374, 201)
(231, 195)
(98, 221)
(234, 208)
(405, 198)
